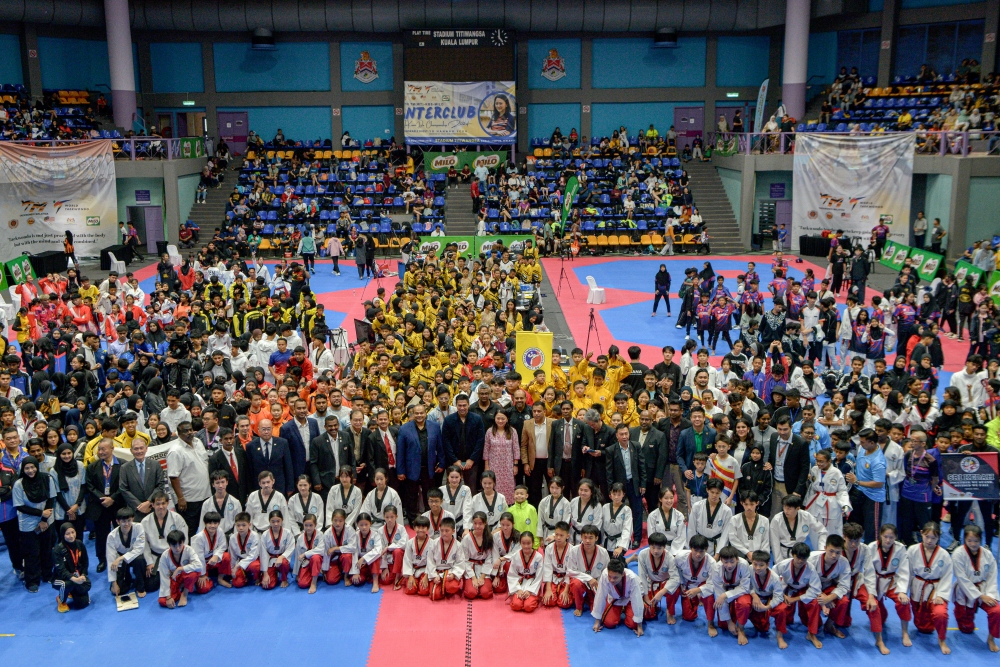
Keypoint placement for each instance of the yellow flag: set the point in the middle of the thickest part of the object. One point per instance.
(534, 353)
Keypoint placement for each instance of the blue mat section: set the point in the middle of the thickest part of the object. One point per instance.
(277, 627)
(637, 274)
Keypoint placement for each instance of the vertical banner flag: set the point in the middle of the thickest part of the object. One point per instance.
(970, 476)
(46, 190)
(534, 353)
(852, 183)
(963, 269)
(572, 187)
(758, 117)
(925, 262)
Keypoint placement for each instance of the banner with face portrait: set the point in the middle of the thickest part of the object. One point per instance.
(479, 112)
(852, 183)
(47, 190)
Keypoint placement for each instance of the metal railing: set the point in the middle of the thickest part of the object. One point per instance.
(973, 142)
(137, 148)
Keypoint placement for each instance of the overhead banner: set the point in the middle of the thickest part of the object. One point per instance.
(439, 163)
(46, 190)
(480, 112)
(852, 183)
(970, 476)
(533, 353)
(894, 255)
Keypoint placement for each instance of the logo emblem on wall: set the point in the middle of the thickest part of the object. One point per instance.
(33, 206)
(93, 221)
(365, 69)
(13, 223)
(554, 67)
(813, 215)
(533, 359)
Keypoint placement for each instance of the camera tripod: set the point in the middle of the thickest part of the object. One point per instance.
(592, 326)
(564, 276)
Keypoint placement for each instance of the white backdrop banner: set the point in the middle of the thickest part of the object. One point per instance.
(852, 183)
(45, 190)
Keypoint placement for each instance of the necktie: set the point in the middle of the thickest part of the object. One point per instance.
(388, 450)
(267, 451)
(142, 470)
(232, 464)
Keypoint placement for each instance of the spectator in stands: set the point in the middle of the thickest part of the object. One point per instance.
(738, 121)
(556, 137)
(652, 133)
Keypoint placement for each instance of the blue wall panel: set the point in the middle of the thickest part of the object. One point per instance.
(296, 123)
(538, 52)
(10, 59)
(822, 57)
(742, 61)
(294, 66)
(177, 67)
(380, 52)
(544, 118)
(635, 116)
(368, 122)
(78, 64)
(634, 63)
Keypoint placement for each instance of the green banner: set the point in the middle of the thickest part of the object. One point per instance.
(925, 262)
(192, 147)
(572, 187)
(440, 163)
(894, 255)
(995, 287)
(473, 245)
(963, 269)
(20, 269)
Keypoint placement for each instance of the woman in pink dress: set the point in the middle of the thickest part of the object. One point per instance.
(501, 452)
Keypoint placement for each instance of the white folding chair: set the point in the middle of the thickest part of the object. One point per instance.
(117, 264)
(175, 255)
(595, 294)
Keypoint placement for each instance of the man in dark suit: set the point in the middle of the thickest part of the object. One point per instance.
(669, 473)
(420, 459)
(597, 436)
(463, 435)
(383, 441)
(103, 496)
(700, 437)
(139, 479)
(360, 439)
(565, 443)
(232, 460)
(789, 455)
(293, 431)
(327, 453)
(267, 452)
(625, 464)
(654, 453)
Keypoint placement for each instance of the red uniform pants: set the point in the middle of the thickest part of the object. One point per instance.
(224, 568)
(312, 568)
(809, 614)
(651, 611)
(613, 616)
(339, 567)
(421, 587)
(582, 594)
(966, 617)
(472, 591)
(393, 560)
(186, 582)
(877, 616)
(500, 581)
(279, 567)
(448, 586)
(930, 617)
(841, 612)
(762, 620)
(689, 606)
(739, 609)
(527, 605)
(243, 577)
(557, 594)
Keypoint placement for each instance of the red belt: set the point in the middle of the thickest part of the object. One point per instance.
(816, 497)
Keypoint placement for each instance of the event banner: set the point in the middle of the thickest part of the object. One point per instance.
(894, 255)
(970, 476)
(995, 287)
(572, 187)
(926, 262)
(852, 183)
(440, 163)
(19, 270)
(480, 112)
(534, 353)
(46, 190)
(963, 269)
(474, 244)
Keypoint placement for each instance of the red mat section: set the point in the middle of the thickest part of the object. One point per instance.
(494, 626)
(414, 631)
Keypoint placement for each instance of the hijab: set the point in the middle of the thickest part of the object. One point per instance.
(662, 276)
(707, 273)
(62, 535)
(35, 488)
(65, 469)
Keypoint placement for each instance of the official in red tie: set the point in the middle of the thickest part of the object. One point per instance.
(383, 446)
(231, 460)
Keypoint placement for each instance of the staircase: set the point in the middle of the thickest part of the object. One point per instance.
(212, 213)
(459, 218)
(713, 204)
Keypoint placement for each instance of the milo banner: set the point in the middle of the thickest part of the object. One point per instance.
(852, 183)
(925, 262)
(479, 112)
(572, 187)
(533, 353)
(995, 287)
(970, 476)
(47, 190)
(19, 270)
(964, 269)
(439, 163)
(894, 255)
(473, 245)
(192, 147)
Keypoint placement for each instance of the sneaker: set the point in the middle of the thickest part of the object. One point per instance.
(61, 606)
(677, 327)
(20, 574)
(32, 589)
(101, 567)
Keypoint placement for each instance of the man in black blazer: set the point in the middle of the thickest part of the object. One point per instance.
(597, 437)
(383, 435)
(463, 435)
(267, 452)
(789, 455)
(564, 451)
(631, 475)
(669, 473)
(239, 478)
(103, 496)
(139, 479)
(290, 431)
(327, 453)
(653, 444)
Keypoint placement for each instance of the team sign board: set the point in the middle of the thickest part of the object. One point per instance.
(440, 163)
(479, 112)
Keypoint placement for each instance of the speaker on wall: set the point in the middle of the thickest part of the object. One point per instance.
(665, 38)
(262, 40)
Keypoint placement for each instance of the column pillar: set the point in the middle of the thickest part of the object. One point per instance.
(119, 34)
(887, 47)
(991, 26)
(587, 87)
(793, 89)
